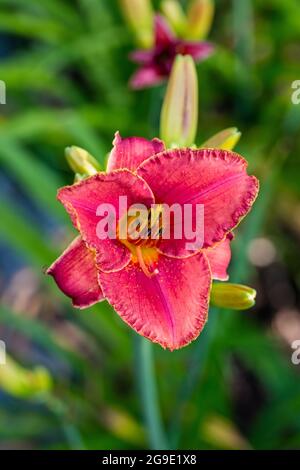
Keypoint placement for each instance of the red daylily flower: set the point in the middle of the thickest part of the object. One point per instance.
(156, 63)
(160, 289)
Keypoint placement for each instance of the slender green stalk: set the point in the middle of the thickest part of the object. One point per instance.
(71, 433)
(243, 32)
(73, 437)
(195, 370)
(157, 96)
(148, 394)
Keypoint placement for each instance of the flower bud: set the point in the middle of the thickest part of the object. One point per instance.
(232, 296)
(179, 116)
(225, 140)
(20, 382)
(175, 15)
(81, 162)
(139, 16)
(200, 17)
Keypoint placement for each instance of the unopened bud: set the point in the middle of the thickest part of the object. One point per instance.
(232, 296)
(81, 162)
(175, 15)
(200, 17)
(179, 116)
(20, 382)
(225, 140)
(139, 16)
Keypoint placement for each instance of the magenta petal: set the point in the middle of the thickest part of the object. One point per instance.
(144, 77)
(142, 56)
(75, 273)
(163, 33)
(217, 179)
(198, 50)
(169, 308)
(219, 258)
(83, 199)
(131, 152)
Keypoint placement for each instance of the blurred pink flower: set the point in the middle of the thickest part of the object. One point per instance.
(158, 287)
(156, 63)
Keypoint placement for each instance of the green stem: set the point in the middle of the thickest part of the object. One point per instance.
(195, 370)
(243, 32)
(73, 437)
(71, 433)
(148, 393)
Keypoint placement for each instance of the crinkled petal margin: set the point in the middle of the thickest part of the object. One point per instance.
(169, 308)
(215, 179)
(89, 201)
(132, 151)
(75, 273)
(219, 257)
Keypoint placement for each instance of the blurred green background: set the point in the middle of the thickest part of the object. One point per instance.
(70, 378)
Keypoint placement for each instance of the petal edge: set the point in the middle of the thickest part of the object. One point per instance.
(216, 179)
(75, 273)
(130, 152)
(170, 308)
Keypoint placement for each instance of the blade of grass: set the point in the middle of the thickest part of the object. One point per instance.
(36, 178)
(85, 137)
(25, 238)
(195, 370)
(148, 392)
(37, 332)
(31, 26)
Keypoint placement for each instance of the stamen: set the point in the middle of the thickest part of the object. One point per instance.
(142, 263)
(141, 236)
(144, 230)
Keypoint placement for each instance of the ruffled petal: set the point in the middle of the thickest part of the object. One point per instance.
(198, 50)
(75, 273)
(83, 199)
(131, 152)
(163, 33)
(169, 308)
(215, 179)
(146, 76)
(219, 258)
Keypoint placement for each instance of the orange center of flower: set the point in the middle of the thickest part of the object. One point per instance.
(141, 234)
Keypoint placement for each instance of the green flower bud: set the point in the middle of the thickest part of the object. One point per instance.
(200, 17)
(20, 382)
(81, 162)
(179, 115)
(139, 16)
(174, 13)
(225, 140)
(232, 296)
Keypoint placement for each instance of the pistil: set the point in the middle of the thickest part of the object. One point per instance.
(146, 267)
